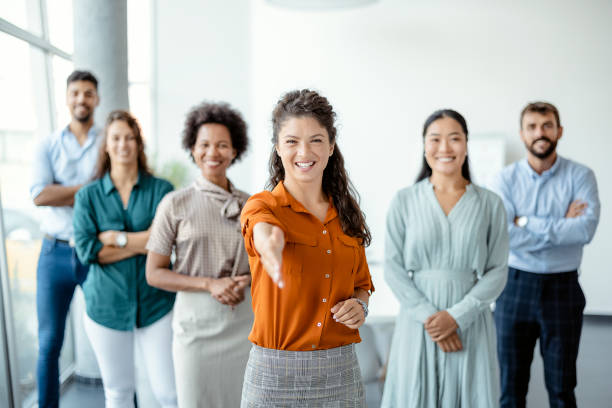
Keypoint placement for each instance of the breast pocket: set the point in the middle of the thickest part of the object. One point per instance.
(348, 252)
(299, 254)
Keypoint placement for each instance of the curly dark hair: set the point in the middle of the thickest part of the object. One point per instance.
(219, 113)
(336, 183)
(104, 164)
(426, 171)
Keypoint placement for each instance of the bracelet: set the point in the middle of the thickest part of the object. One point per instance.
(364, 306)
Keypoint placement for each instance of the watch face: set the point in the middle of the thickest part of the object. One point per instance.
(121, 240)
(522, 221)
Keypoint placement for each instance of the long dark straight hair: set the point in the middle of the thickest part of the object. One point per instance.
(104, 163)
(439, 114)
(336, 184)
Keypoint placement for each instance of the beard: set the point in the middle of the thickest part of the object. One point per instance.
(84, 117)
(542, 154)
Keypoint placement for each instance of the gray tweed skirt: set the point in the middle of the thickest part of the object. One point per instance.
(319, 378)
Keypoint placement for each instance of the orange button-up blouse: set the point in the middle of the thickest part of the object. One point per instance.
(321, 267)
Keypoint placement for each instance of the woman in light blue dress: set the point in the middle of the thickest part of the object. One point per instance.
(446, 253)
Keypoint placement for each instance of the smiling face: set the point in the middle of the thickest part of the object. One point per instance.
(213, 152)
(122, 144)
(304, 148)
(540, 133)
(445, 146)
(82, 99)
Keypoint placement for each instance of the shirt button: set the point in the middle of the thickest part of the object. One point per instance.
(329, 251)
(327, 275)
(324, 300)
(319, 324)
(324, 232)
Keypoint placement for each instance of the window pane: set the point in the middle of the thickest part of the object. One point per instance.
(23, 120)
(59, 13)
(139, 40)
(61, 69)
(19, 130)
(23, 13)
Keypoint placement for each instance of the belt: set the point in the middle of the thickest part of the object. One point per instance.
(60, 241)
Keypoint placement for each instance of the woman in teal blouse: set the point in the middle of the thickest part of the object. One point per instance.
(446, 254)
(112, 216)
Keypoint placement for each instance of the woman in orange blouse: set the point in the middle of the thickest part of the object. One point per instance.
(310, 278)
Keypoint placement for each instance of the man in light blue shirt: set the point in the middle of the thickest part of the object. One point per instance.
(64, 161)
(553, 209)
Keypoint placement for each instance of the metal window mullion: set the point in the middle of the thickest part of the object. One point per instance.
(13, 30)
(48, 66)
(12, 377)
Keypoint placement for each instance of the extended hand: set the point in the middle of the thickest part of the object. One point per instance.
(451, 343)
(576, 209)
(349, 312)
(269, 242)
(108, 237)
(440, 325)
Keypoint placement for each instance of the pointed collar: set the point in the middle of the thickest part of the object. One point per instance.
(285, 199)
(108, 186)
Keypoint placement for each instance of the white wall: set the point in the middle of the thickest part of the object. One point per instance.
(200, 50)
(386, 67)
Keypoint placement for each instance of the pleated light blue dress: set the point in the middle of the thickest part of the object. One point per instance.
(457, 263)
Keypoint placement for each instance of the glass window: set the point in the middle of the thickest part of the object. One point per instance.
(24, 14)
(59, 16)
(61, 69)
(24, 110)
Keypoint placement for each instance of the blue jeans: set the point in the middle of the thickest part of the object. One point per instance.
(58, 273)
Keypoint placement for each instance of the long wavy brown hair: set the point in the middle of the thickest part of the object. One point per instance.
(336, 183)
(104, 164)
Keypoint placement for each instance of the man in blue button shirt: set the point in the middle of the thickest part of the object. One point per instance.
(64, 161)
(553, 210)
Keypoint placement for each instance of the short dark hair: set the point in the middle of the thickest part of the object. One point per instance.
(82, 76)
(426, 171)
(542, 108)
(222, 114)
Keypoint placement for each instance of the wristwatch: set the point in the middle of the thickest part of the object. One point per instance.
(521, 222)
(364, 306)
(121, 239)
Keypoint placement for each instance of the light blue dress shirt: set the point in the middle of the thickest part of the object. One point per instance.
(549, 243)
(60, 159)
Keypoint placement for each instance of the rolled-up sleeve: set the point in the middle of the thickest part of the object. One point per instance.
(363, 278)
(86, 240)
(256, 210)
(42, 174)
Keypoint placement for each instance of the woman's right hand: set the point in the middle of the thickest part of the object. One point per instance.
(222, 290)
(269, 242)
(451, 343)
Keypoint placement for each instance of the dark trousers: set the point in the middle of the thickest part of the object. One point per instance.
(58, 273)
(544, 306)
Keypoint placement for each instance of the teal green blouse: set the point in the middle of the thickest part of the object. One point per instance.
(117, 295)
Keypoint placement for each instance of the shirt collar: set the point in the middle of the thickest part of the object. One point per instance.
(108, 186)
(285, 199)
(92, 135)
(545, 174)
